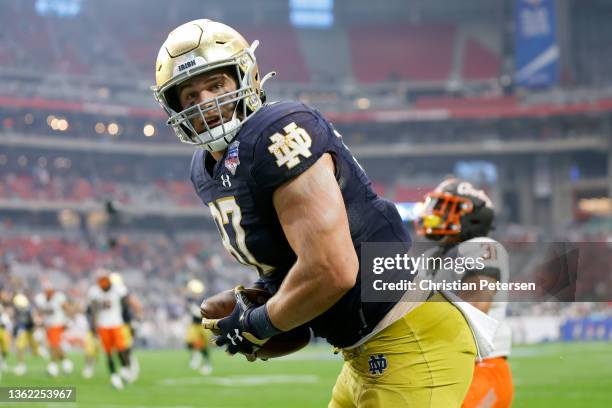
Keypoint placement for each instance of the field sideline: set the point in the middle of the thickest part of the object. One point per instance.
(548, 375)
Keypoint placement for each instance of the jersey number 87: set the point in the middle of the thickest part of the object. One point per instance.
(221, 211)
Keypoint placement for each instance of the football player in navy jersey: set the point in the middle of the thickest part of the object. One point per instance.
(290, 200)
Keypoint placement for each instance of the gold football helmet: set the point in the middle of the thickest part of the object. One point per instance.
(21, 301)
(197, 47)
(195, 286)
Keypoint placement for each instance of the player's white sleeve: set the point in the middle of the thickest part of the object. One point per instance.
(91, 294)
(60, 298)
(495, 259)
(40, 300)
(121, 290)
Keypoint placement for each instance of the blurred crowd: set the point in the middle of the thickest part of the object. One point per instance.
(88, 127)
(72, 188)
(155, 268)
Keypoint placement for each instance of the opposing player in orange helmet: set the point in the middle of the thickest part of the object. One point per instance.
(458, 217)
(107, 301)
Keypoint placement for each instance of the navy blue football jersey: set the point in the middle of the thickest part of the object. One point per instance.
(275, 145)
(23, 319)
(193, 307)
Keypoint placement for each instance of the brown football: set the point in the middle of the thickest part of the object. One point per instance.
(222, 304)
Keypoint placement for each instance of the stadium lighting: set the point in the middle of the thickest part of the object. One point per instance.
(57, 123)
(103, 92)
(62, 163)
(148, 130)
(22, 161)
(598, 206)
(59, 8)
(311, 13)
(96, 219)
(100, 128)
(362, 103)
(62, 125)
(54, 123)
(113, 129)
(69, 218)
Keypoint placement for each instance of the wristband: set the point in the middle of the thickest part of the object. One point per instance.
(260, 324)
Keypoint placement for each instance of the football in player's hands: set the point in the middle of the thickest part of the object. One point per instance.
(222, 304)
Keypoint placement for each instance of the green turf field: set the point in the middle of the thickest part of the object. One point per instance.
(550, 375)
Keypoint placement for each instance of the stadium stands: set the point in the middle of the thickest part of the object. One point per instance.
(74, 189)
(479, 62)
(589, 44)
(279, 51)
(422, 52)
(102, 43)
(26, 37)
(391, 53)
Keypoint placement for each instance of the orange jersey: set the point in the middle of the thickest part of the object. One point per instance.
(491, 385)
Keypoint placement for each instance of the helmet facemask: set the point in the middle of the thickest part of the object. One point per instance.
(441, 215)
(455, 212)
(245, 98)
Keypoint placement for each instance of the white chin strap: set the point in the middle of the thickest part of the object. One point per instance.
(220, 138)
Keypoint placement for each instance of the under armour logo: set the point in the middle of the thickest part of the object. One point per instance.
(225, 179)
(238, 338)
(378, 364)
(286, 148)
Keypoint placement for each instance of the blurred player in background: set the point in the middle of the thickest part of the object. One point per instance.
(5, 330)
(197, 337)
(54, 308)
(23, 331)
(291, 201)
(131, 312)
(90, 343)
(458, 217)
(107, 302)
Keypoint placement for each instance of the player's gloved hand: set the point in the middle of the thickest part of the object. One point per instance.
(245, 330)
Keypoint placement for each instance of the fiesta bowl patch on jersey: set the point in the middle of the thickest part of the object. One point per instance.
(232, 159)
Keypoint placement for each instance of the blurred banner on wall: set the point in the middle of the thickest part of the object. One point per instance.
(536, 46)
